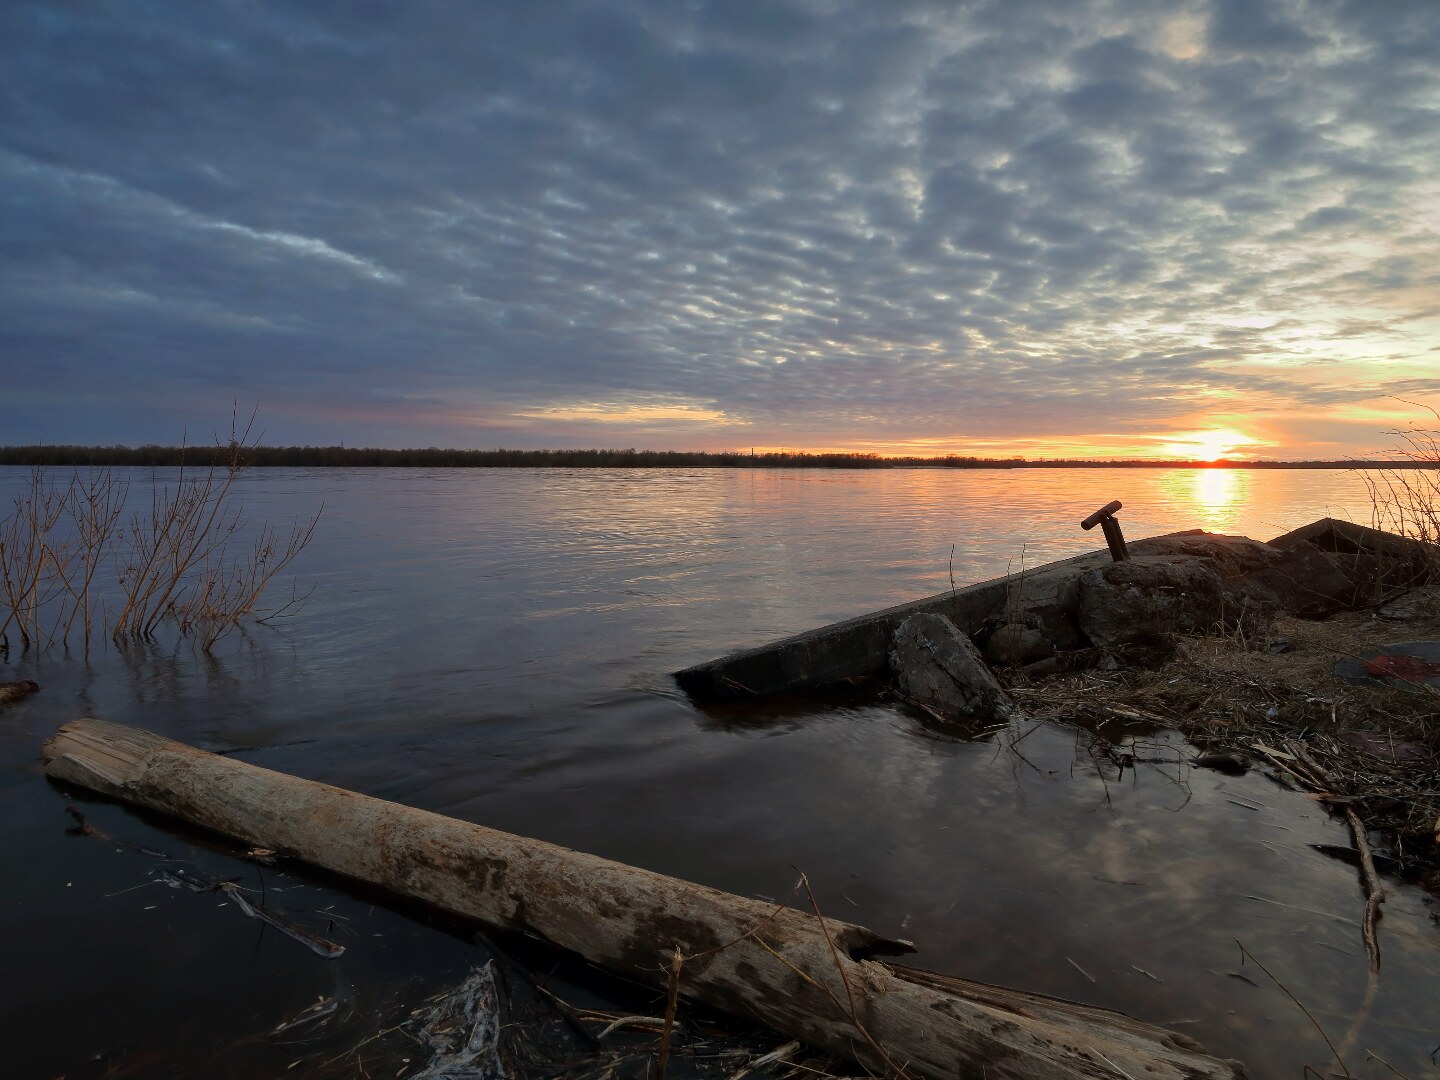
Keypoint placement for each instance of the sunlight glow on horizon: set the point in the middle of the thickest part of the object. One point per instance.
(1222, 429)
(1199, 444)
(1216, 444)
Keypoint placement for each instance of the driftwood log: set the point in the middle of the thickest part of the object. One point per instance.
(813, 979)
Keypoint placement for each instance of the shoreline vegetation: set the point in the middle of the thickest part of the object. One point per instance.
(184, 557)
(431, 457)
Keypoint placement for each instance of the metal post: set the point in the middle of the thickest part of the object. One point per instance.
(1114, 538)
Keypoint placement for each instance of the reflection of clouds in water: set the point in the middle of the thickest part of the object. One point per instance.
(1023, 872)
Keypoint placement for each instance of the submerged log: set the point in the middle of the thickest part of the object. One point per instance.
(817, 980)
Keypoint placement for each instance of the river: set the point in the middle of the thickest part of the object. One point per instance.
(496, 645)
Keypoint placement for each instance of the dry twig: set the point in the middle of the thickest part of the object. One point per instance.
(1374, 893)
(1245, 954)
(672, 997)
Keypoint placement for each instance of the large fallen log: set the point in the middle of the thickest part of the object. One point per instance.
(813, 979)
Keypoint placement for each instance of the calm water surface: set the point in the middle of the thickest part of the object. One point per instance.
(496, 645)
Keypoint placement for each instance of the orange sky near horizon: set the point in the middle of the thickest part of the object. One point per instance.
(1368, 428)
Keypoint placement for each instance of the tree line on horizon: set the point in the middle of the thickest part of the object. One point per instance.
(432, 457)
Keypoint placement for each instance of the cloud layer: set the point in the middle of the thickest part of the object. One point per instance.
(929, 225)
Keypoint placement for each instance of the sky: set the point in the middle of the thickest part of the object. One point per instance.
(1021, 227)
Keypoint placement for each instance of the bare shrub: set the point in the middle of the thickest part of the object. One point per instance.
(189, 524)
(184, 560)
(227, 588)
(33, 558)
(94, 507)
(1407, 500)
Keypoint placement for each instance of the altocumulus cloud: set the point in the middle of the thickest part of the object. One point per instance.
(814, 223)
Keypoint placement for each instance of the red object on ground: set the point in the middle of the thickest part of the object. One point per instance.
(1408, 668)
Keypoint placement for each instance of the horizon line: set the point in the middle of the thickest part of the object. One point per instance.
(262, 456)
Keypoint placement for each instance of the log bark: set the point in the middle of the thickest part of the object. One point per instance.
(816, 980)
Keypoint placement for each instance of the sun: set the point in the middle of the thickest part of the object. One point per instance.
(1213, 444)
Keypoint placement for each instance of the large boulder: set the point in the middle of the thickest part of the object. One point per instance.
(1303, 580)
(938, 667)
(1033, 627)
(1141, 604)
(1300, 578)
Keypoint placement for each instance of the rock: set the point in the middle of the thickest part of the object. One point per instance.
(1195, 582)
(1232, 764)
(1423, 603)
(1378, 562)
(14, 691)
(1143, 603)
(1048, 666)
(1018, 643)
(1233, 556)
(938, 667)
(1300, 578)
(1058, 623)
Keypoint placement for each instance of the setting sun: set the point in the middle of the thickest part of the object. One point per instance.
(1212, 445)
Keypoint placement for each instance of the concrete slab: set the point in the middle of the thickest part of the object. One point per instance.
(1370, 559)
(860, 646)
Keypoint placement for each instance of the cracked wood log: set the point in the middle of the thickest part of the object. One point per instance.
(754, 960)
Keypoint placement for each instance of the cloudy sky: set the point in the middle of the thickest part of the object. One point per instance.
(1017, 227)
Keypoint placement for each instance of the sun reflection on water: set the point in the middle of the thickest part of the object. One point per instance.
(1215, 497)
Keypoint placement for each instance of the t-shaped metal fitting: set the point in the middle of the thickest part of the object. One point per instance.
(1105, 518)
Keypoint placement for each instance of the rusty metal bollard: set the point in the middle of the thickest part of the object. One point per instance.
(1105, 518)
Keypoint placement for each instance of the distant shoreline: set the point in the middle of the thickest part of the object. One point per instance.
(343, 457)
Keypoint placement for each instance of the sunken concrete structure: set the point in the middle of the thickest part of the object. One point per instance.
(1176, 583)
